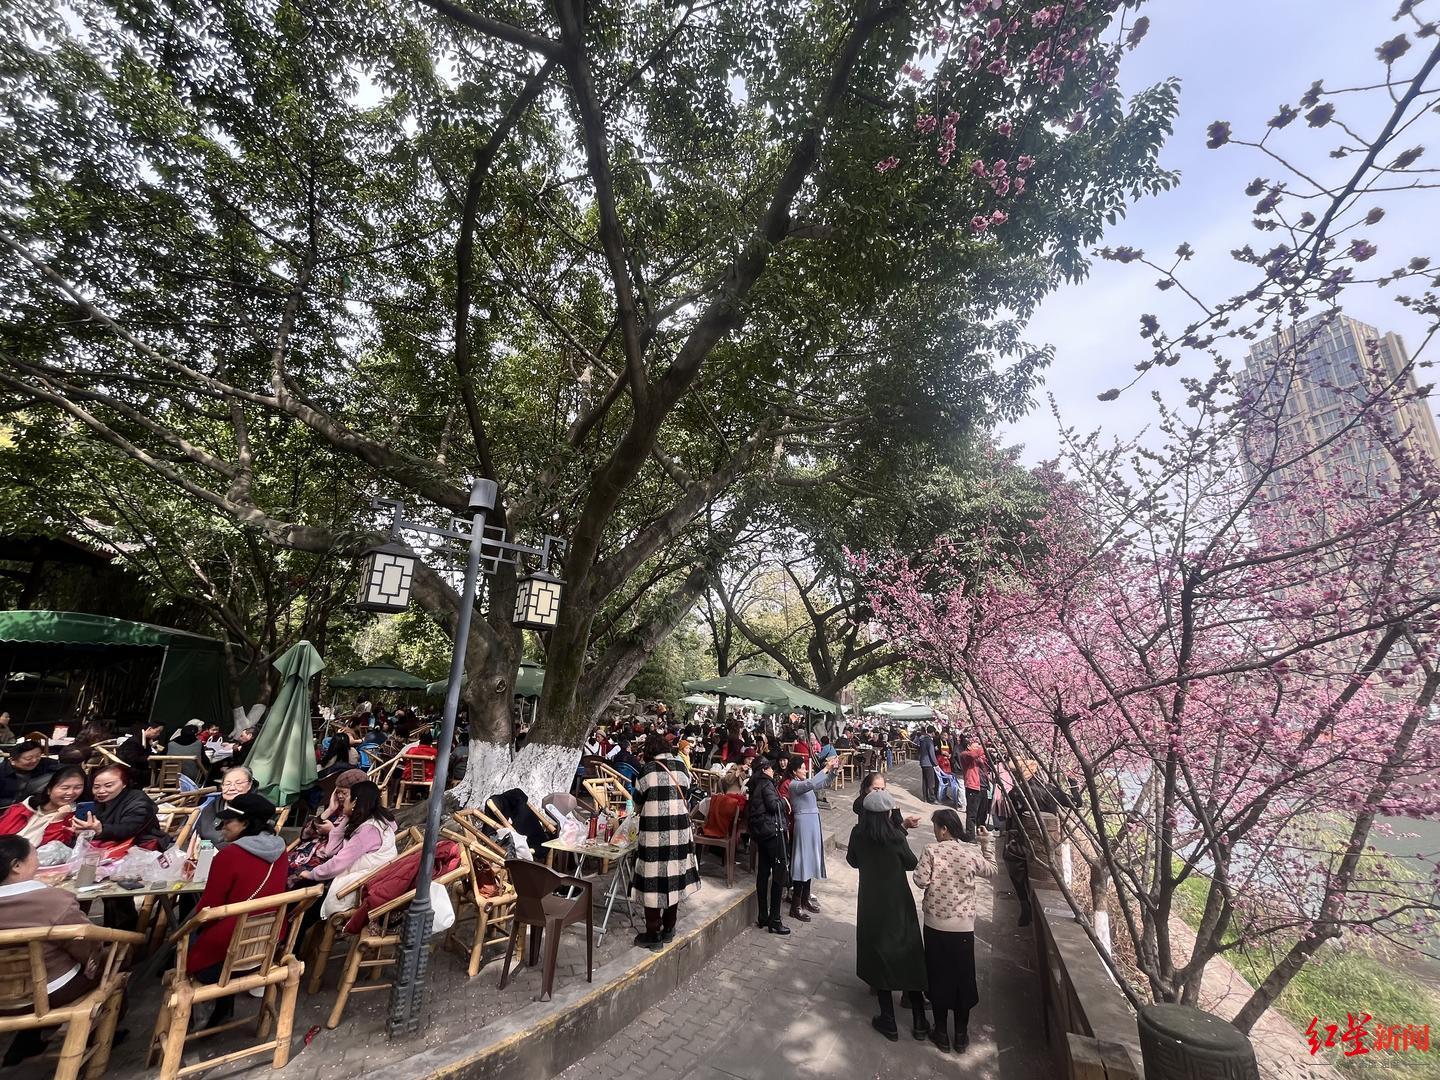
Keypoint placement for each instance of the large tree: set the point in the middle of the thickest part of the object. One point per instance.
(639, 263)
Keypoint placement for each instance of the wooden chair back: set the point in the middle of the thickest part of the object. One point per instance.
(179, 822)
(165, 770)
(261, 925)
(22, 962)
(415, 769)
(606, 790)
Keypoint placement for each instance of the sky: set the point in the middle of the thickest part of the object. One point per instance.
(1236, 62)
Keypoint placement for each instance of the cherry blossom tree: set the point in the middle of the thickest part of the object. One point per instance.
(1227, 641)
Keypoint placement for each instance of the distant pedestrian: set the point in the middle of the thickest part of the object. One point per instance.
(947, 872)
(889, 953)
(925, 748)
(665, 867)
(976, 767)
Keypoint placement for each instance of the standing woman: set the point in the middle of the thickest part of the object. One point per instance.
(808, 838)
(766, 818)
(665, 868)
(947, 872)
(889, 954)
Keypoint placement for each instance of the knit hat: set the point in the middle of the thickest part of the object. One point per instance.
(880, 801)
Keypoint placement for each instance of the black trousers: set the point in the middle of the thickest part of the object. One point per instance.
(975, 810)
(771, 874)
(929, 787)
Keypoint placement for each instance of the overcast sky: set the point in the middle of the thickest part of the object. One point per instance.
(1238, 62)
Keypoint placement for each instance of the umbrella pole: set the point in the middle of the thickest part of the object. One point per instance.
(407, 993)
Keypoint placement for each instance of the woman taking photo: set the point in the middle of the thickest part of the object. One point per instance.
(123, 816)
(807, 844)
(889, 954)
(24, 902)
(49, 815)
(665, 867)
(766, 818)
(947, 872)
(367, 841)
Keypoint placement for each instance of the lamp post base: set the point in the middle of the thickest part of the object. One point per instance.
(407, 994)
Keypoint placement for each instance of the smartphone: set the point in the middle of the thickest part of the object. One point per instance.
(84, 809)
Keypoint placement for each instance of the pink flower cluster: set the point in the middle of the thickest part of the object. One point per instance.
(926, 123)
(913, 72)
(886, 165)
(947, 136)
(981, 222)
(975, 7)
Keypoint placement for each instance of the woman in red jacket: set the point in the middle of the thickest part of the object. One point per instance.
(251, 865)
(49, 815)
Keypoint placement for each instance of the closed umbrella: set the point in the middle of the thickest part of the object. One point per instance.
(283, 758)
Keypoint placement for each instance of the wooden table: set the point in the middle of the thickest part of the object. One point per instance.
(606, 853)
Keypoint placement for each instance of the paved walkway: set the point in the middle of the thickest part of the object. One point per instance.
(779, 1007)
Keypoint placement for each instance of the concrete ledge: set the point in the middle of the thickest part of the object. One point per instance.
(541, 1039)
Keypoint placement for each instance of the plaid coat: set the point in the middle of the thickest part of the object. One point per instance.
(665, 867)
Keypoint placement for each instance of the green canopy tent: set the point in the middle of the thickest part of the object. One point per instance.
(769, 689)
(381, 677)
(283, 759)
(131, 670)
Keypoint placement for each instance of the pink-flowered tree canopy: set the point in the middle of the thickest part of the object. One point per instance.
(1224, 637)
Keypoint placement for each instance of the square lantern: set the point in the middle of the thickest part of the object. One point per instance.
(386, 573)
(537, 601)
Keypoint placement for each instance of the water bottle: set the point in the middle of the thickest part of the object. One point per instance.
(203, 860)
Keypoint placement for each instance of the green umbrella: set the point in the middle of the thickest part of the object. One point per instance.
(762, 686)
(283, 758)
(528, 682)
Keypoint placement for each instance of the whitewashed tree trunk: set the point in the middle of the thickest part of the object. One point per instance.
(538, 770)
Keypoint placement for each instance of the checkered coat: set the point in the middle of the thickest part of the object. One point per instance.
(665, 866)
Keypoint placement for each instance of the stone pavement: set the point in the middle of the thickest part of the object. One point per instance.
(779, 1007)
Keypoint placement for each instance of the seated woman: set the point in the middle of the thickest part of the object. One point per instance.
(251, 865)
(726, 806)
(424, 748)
(123, 816)
(236, 781)
(186, 743)
(70, 966)
(337, 754)
(49, 815)
(367, 841)
(321, 836)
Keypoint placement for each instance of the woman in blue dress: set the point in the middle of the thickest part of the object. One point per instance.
(807, 860)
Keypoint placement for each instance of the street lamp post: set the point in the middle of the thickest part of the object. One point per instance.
(386, 579)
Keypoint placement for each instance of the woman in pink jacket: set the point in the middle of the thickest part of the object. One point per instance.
(367, 841)
(947, 872)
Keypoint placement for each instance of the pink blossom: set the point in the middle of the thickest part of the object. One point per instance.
(1019, 185)
(993, 30)
(979, 223)
(926, 123)
(1023, 163)
(887, 164)
(998, 66)
(978, 168)
(998, 168)
(1001, 186)
(1004, 128)
(939, 35)
(999, 217)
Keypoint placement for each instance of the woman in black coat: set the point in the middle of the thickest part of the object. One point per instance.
(766, 819)
(122, 813)
(889, 952)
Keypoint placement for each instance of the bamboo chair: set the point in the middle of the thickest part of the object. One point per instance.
(261, 954)
(377, 946)
(320, 948)
(381, 776)
(492, 913)
(189, 799)
(545, 820)
(412, 777)
(605, 791)
(165, 771)
(847, 770)
(282, 817)
(22, 986)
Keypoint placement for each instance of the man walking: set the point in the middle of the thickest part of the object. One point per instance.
(926, 747)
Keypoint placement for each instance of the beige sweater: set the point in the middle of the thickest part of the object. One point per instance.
(947, 873)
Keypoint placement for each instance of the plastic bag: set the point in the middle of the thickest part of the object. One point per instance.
(442, 907)
(516, 846)
(573, 830)
(54, 853)
(139, 865)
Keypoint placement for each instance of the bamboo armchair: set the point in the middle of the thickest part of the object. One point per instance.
(261, 954)
(377, 946)
(381, 776)
(847, 771)
(189, 799)
(22, 986)
(492, 913)
(605, 790)
(545, 820)
(320, 947)
(166, 769)
(412, 777)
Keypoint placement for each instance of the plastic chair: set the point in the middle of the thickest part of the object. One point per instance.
(538, 906)
(728, 845)
(261, 954)
(22, 986)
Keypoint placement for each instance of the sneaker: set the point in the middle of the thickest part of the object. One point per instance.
(888, 1030)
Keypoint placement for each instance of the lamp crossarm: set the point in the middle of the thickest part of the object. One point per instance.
(495, 549)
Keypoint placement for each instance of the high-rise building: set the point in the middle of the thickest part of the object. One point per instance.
(1311, 381)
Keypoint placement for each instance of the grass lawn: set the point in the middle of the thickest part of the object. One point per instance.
(1341, 979)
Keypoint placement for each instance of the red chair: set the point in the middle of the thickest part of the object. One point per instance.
(537, 906)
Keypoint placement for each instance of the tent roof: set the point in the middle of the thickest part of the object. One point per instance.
(763, 686)
(378, 678)
(78, 628)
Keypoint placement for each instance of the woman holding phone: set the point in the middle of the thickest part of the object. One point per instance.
(48, 816)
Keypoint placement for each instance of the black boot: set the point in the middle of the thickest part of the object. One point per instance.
(808, 901)
(777, 927)
(885, 1022)
(919, 1023)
